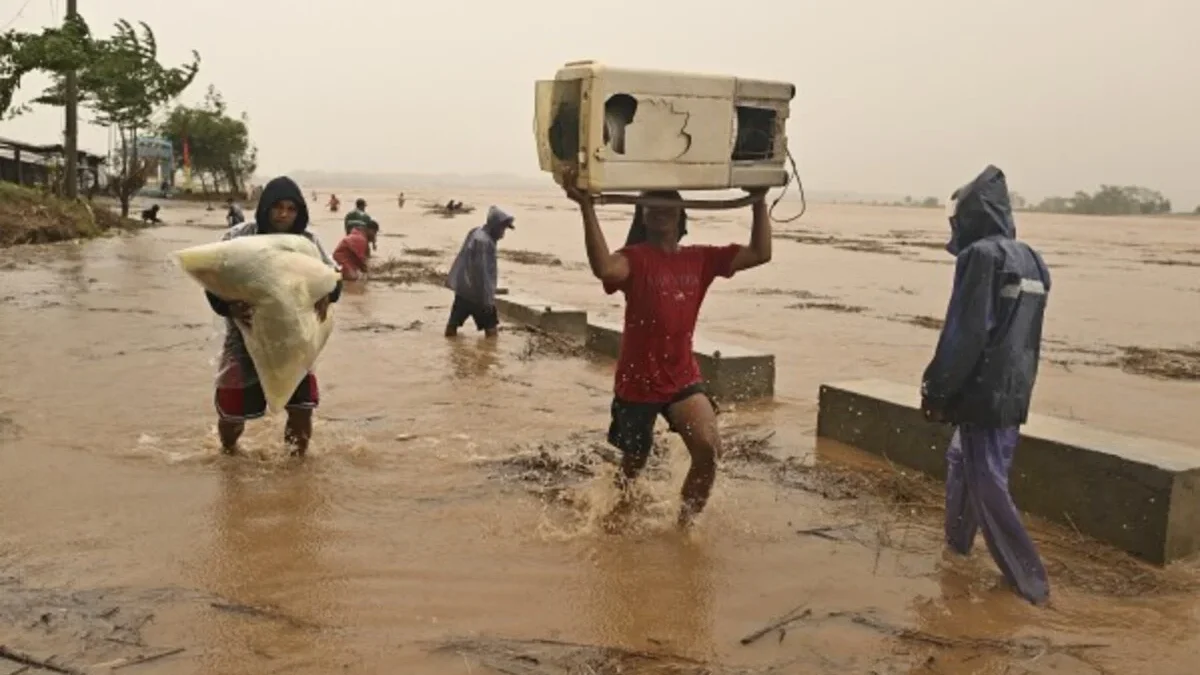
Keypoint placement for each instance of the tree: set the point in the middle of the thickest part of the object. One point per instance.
(55, 50)
(123, 86)
(1017, 200)
(930, 203)
(1110, 200)
(120, 80)
(1054, 205)
(219, 146)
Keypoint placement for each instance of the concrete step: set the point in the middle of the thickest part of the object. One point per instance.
(544, 314)
(1138, 494)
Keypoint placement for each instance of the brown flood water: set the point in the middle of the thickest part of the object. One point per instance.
(125, 532)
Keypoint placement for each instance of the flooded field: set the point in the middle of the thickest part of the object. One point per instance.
(447, 519)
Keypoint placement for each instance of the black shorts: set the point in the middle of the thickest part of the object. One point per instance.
(632, 427)
(463, 309)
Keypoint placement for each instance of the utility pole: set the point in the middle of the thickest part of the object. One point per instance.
(71, 180)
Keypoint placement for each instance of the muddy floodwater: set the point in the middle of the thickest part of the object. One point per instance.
(447, 519)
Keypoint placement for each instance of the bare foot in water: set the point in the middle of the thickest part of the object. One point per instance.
(617, 520)
(687, 517)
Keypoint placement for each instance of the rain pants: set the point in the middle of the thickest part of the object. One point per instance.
(982, 375)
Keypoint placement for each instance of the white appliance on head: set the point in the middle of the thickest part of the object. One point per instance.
(624, 129)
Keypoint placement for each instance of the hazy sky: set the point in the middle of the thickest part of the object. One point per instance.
(895, 97)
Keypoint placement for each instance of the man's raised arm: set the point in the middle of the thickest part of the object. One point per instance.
(758, 252)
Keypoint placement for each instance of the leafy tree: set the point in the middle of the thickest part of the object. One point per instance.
(930, 203)
(123, 85)
(1054, 205)
(219, 145)
(1110, 200)
(124, 88)
(57, 50)
(119, 79)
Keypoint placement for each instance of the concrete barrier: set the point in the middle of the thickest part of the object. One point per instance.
(543, 314)
(731, 373)
(1138, 494)
(604, 338)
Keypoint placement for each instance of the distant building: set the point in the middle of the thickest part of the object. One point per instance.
(42, 165)
(160, 155)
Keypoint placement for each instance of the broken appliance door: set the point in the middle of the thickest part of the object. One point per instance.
(643, 129)
(557, 124)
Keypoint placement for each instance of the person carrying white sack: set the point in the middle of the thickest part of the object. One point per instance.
(239, 394)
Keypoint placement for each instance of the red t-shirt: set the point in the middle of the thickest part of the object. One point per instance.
(351, 255)
(663, 294)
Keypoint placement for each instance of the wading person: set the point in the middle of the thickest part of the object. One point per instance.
(239, 396)
(474, 275)
(150, 215)
(664, 285)
(359, 217)
(233, 214)
(982, 374)
(354, 251)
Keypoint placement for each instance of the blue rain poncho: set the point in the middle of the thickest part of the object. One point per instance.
(982, 374)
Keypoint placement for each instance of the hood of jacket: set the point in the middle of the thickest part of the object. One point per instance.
(980, 209)
(278, 190)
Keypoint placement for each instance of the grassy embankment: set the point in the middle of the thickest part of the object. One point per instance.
(29, 216)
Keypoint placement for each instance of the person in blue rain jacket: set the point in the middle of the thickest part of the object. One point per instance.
(982, 375)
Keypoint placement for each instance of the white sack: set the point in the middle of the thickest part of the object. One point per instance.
(282, 276)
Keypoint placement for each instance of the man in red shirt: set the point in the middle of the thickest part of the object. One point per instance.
(354, 250)
(657, 374)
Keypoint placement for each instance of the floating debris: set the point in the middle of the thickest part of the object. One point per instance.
(399, 271)
(830, 307)
(1170, 364)
(530, 257)
(557, 657)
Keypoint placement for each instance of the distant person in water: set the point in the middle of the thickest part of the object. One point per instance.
(239, 396)
(359, 218)
(982, 375)
(474, 275)
(334, 203)
(233, 214)
(400, 200)
(150, 215)
(354, 251)
(664, 285)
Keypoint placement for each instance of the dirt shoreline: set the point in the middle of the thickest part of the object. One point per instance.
(29, 216)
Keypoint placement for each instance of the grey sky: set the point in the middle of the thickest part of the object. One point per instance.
(894, 97)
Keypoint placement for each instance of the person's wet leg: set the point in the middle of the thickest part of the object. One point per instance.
(631, 431)
(456, 318)
(488, 320)
(298, 431)
(632, 464)
(987, 459)
(230, 431)
(696, 421)
(961, 522)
